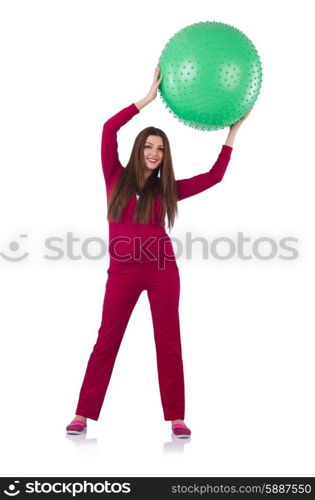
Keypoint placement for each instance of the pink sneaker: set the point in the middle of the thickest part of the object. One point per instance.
(181, 430)
(76, 427)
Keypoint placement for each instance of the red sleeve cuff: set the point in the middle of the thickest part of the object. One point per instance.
(135, 108)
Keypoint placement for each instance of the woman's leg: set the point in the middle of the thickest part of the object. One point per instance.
(121, 294)
(163, 294)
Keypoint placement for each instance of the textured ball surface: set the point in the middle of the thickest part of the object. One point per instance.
(211, 75)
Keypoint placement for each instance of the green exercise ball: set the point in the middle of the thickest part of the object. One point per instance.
(211, 75)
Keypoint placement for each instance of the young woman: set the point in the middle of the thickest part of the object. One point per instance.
(139, 197)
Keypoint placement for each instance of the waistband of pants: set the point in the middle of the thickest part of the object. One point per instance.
(142, 265)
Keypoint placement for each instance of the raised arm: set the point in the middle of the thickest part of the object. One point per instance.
(201, 182)
(109, 148)
(198, 183)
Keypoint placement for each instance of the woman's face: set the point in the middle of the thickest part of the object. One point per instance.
(153, 151)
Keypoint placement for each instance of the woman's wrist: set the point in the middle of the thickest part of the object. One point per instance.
(231, 136)
(143, 102)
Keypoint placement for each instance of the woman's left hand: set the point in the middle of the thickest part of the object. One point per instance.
(236, 125)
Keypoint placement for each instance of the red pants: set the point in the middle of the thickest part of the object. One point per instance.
(124, 285)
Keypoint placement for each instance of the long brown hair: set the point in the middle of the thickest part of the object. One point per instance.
(132, 178)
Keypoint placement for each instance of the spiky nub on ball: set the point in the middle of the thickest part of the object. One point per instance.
(212, 75)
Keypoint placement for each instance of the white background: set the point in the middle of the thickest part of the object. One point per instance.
(247, 325)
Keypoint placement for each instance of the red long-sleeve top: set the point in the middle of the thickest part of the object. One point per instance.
(131, 242)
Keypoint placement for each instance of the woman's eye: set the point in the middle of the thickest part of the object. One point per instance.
(148, 146)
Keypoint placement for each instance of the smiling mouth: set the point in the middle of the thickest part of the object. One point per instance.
(152, 161)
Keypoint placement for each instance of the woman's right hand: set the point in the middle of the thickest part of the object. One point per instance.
(151, 95)
(155, 84)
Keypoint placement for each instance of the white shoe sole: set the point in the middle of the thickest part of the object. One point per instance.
(181, 435)
(77, 432)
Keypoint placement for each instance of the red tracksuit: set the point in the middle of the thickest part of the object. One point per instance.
(141, 258)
